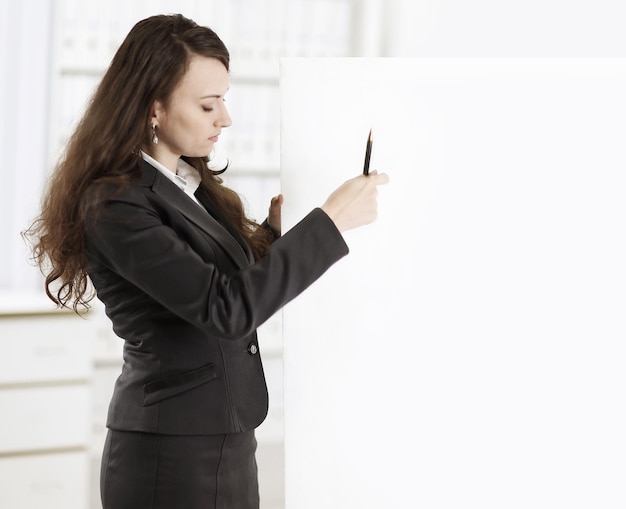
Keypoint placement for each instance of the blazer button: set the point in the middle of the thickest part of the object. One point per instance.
(252, 349)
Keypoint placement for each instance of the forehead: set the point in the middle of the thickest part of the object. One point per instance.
(205, 76)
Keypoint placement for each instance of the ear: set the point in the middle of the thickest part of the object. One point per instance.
(157, 114)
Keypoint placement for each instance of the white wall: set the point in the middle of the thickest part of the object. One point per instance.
(496, 28)
(469, 352)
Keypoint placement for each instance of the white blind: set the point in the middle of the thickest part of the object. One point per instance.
(24, 84)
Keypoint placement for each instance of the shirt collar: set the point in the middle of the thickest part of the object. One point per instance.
(186, 178)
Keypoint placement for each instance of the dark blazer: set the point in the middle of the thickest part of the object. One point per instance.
(182, 289)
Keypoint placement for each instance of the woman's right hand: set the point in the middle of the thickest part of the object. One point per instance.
(354, 204)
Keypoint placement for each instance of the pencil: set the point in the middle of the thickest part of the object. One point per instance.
(368, 152)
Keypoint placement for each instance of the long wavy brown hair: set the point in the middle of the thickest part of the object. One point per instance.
(106, 147)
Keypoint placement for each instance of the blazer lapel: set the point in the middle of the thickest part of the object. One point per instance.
(206, 202)
(201, 218)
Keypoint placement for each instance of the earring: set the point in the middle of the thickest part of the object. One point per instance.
(155, 138)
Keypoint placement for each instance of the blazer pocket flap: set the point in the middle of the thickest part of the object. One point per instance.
(166, 387)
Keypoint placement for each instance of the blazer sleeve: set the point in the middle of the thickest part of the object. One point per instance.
(129, 238)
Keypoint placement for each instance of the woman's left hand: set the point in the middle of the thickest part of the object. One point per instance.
(273, 218)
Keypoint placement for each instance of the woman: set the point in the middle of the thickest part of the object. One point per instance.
(184, 276)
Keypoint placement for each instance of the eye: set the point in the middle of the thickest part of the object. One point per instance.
(207, 108)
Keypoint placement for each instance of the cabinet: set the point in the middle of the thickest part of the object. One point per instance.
(54, 481)
(45, 373)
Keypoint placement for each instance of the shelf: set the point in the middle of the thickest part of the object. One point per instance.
(28, 303)
(247, 77)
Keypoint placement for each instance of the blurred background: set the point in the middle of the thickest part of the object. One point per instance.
(56, 370)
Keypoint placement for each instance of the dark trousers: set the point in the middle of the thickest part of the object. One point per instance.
(148, 471)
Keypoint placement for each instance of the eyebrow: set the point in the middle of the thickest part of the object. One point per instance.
(214, 96)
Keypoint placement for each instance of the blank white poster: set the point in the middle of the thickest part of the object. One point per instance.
(470, 350)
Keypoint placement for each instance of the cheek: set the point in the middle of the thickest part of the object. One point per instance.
(200, 124)
(190, 124)
(186, 120)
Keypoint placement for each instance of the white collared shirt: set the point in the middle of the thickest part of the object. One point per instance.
(186, 178)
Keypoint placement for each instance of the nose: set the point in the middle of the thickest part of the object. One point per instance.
(223, 119)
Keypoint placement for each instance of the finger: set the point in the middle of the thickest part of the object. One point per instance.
(380, 178)
(376, 178)
(276, 205)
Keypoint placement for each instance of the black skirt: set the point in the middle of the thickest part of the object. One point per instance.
(149, 471)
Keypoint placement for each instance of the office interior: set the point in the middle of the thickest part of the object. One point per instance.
(57, 370)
